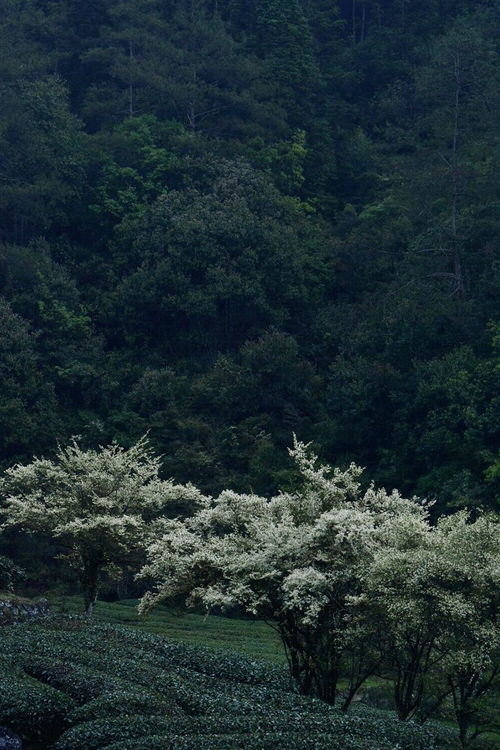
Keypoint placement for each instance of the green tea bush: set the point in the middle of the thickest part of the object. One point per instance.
(221, 665)
(78, 682)
(299, 740)
(93, 735)
(83, 685)
(36, 712)
(123, 703)
(265, 741)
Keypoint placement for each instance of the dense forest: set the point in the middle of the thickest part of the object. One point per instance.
(227, 221)
(249, 284)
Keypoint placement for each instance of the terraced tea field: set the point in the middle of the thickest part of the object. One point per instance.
(68, 683)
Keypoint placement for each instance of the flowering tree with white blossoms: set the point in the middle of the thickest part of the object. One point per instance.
(404, 591)
(297, 560)
(471, 663)
(437, 593)
(99, 504)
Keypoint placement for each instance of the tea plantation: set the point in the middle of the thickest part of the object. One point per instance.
(249, 637)
(68, 684)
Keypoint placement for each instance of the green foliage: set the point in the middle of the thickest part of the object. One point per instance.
(98, 504)
(309, 584)
(282, 33)
(118, 702)
(202, 700)
(103, 732)
(34, 710)
(236, 256)
(26, 398)
(225, 221)
(10, 574)
(251, 638)
(42, 167)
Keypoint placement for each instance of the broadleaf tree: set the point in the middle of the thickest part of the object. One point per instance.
(98, 504)
(297, 560)
(471, 664)
(436, 596)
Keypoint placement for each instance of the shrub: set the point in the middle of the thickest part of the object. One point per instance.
(10, 574)
(103, 687)
(93, 735)
(80, 683)
(123, 702)
(34, 711)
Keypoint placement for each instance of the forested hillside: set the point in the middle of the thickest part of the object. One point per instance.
(225, 221)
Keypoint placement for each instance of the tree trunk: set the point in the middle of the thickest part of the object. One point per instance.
(314, 665)
(353, 689)
(363, 23)
(89, 578)
(461, 696)
(408, 690)
(326, 683)
(457, 264)
(463, 727)
(130, 85)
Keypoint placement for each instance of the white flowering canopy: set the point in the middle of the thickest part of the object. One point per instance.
(96, 502)
(447, 581)
(438, 597)
(300, 556)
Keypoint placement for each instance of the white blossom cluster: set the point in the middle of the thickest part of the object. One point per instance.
(303, 554)
(352, 576)
(98, 504)
(345, 574)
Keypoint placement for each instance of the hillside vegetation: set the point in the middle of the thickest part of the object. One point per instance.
(250, 284)
(251, 638)
(67, 683)
(226, 221)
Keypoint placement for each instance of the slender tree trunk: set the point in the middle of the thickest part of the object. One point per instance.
(457, 263)
(354, 686)
(462, 694)
(408, 688)
(462, 715)
(363, 22)
(89, 578)
(122, 585)
(463, 726)
(130, 86)
(327, 682)
(191, 112)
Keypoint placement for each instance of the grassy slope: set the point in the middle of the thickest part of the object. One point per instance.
(250, 637)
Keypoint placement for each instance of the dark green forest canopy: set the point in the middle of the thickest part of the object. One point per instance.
(224, 221)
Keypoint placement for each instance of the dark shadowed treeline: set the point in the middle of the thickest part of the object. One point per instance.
(224, 221)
